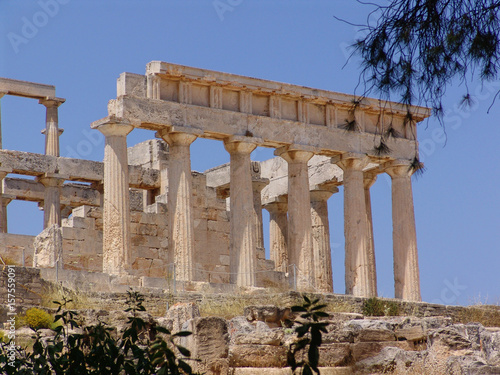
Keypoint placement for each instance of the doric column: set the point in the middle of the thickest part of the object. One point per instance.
(300, 249)
(321, 239)
(180, 200)
(52, 131)
(3, 201)
(357, 259)
(243, 256)
(116, 215)
(51, 198)
(404, 236)
(369, 179)
(278, 232)
(257, 186)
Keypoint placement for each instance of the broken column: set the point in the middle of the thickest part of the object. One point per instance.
(52, 131)
(180, 200)
(321, 238)
(369, 179)
(357, 260)
(300, 248)
(51, 198)
(278, 232)
(116, 210)
(243, 256)
(404, 236)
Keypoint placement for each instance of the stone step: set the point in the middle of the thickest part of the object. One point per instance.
(287, 371)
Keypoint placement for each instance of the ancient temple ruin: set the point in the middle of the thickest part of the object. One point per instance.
(145, 218)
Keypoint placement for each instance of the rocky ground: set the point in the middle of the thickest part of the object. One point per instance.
(257, 343)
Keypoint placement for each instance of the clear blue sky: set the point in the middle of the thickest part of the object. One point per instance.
(81, 47)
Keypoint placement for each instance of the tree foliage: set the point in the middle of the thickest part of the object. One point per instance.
(309, 337)
(416, 48)
(142, 348)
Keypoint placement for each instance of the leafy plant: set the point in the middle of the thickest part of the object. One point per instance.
(309, 336)
(143, 347)
(37, 318)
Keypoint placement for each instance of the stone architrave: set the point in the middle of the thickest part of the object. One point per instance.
(369, 179)
(300, 248)
(51, 198)
(404, 236)
(180, 200)
(357, 259)
(116, 210)
(321, 239)
(278, 233)
(52, 131)
(243, 247)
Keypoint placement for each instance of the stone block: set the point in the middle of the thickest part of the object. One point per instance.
(269, 337)
(363, 350)
(208, 342)
(257, 356)
(224, 260)
(334, 354)
(180, 313)
(218, 226)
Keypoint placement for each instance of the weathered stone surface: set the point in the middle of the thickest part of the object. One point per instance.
(48, 247)
(334, 355)
(371, 330)
(182, 312)
(386, 360)
(208, 342)
(490, 342)
(363, 350)
(270, 337)
(257, 356)
(267, 314)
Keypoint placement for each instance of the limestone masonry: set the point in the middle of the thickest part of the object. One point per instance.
(143, 218)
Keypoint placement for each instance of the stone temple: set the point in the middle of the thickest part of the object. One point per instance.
(143, 218)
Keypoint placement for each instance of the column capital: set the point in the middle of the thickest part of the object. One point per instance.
(318, 195)
(295, 153)
(398, 168)
(4, 172)
(241, 145)
(259, 183)
(179, 135)
(51, 102)
(369, 178)
(351, 160)
(51, 179)
(113, 126)
(2, 94)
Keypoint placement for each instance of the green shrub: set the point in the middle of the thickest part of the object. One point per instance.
(37, 318)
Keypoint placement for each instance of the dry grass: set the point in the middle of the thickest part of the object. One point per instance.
(79, 300)
(487, 315)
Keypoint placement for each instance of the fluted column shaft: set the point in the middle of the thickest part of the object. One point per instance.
(52, 130)
(368, 181)
(257, 187)
(51, 199)
(300, 249)
(180, 203)
(321, 240)
(2, 94)
(3, 201)
(357, 259)
(243, 256)
(278, 232)
(404, 236)
(116, 236)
